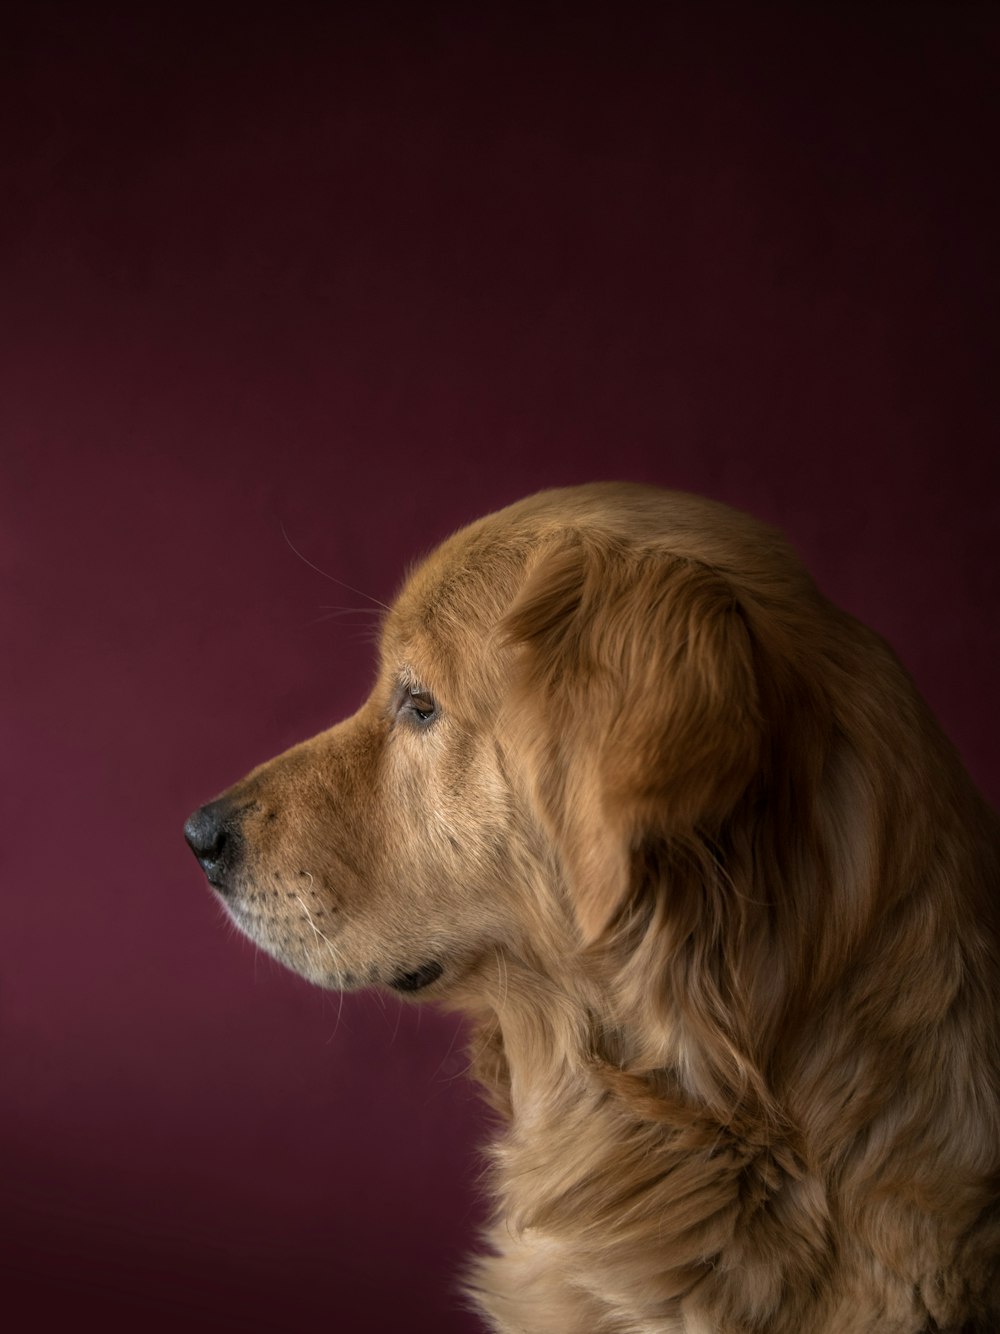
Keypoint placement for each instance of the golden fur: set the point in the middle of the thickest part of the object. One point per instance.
(685, 843)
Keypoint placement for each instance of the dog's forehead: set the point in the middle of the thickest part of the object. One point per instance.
(455, 598)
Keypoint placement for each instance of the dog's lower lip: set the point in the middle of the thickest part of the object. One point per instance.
(417, 979)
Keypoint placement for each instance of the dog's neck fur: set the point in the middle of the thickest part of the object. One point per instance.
(655, 1114)
(640, 1148)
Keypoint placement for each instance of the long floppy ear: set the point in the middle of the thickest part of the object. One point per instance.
(636, 706)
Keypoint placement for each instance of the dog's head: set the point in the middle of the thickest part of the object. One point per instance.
(567, 688)
(685, 840)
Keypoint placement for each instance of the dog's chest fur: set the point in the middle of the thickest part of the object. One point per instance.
(687, 1232)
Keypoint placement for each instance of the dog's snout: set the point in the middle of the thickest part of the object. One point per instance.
(212, 835)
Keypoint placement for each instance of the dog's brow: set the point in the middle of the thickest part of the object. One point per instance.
(408, 676)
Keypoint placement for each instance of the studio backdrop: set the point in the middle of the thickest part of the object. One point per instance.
(287, 294)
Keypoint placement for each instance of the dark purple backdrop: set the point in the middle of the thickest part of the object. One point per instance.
(362, 279)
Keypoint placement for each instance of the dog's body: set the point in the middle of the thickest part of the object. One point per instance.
(684, 841)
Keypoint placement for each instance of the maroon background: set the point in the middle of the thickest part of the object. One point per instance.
(364, 278)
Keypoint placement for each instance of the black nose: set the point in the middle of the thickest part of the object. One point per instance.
(213, 837)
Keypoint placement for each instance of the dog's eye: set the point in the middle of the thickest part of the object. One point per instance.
(419, 704)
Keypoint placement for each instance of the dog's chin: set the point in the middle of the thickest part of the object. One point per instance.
(311, 960)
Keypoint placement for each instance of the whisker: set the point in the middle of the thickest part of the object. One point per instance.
(502, 988)
(338, 613)
(333, 579)
(329, 945)
(344, 612)
(444, 1058)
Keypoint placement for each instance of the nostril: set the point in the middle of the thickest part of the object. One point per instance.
(206, 832)
(214, 833)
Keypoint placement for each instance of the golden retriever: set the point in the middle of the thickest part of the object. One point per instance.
(684, 841)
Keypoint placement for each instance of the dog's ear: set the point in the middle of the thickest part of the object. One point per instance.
(635, 706)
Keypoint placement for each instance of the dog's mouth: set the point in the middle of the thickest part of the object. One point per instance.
(306, 941)
(417, 979)
(313, 947)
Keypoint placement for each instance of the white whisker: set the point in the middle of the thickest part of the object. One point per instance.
(333, 579)
(329, 945)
